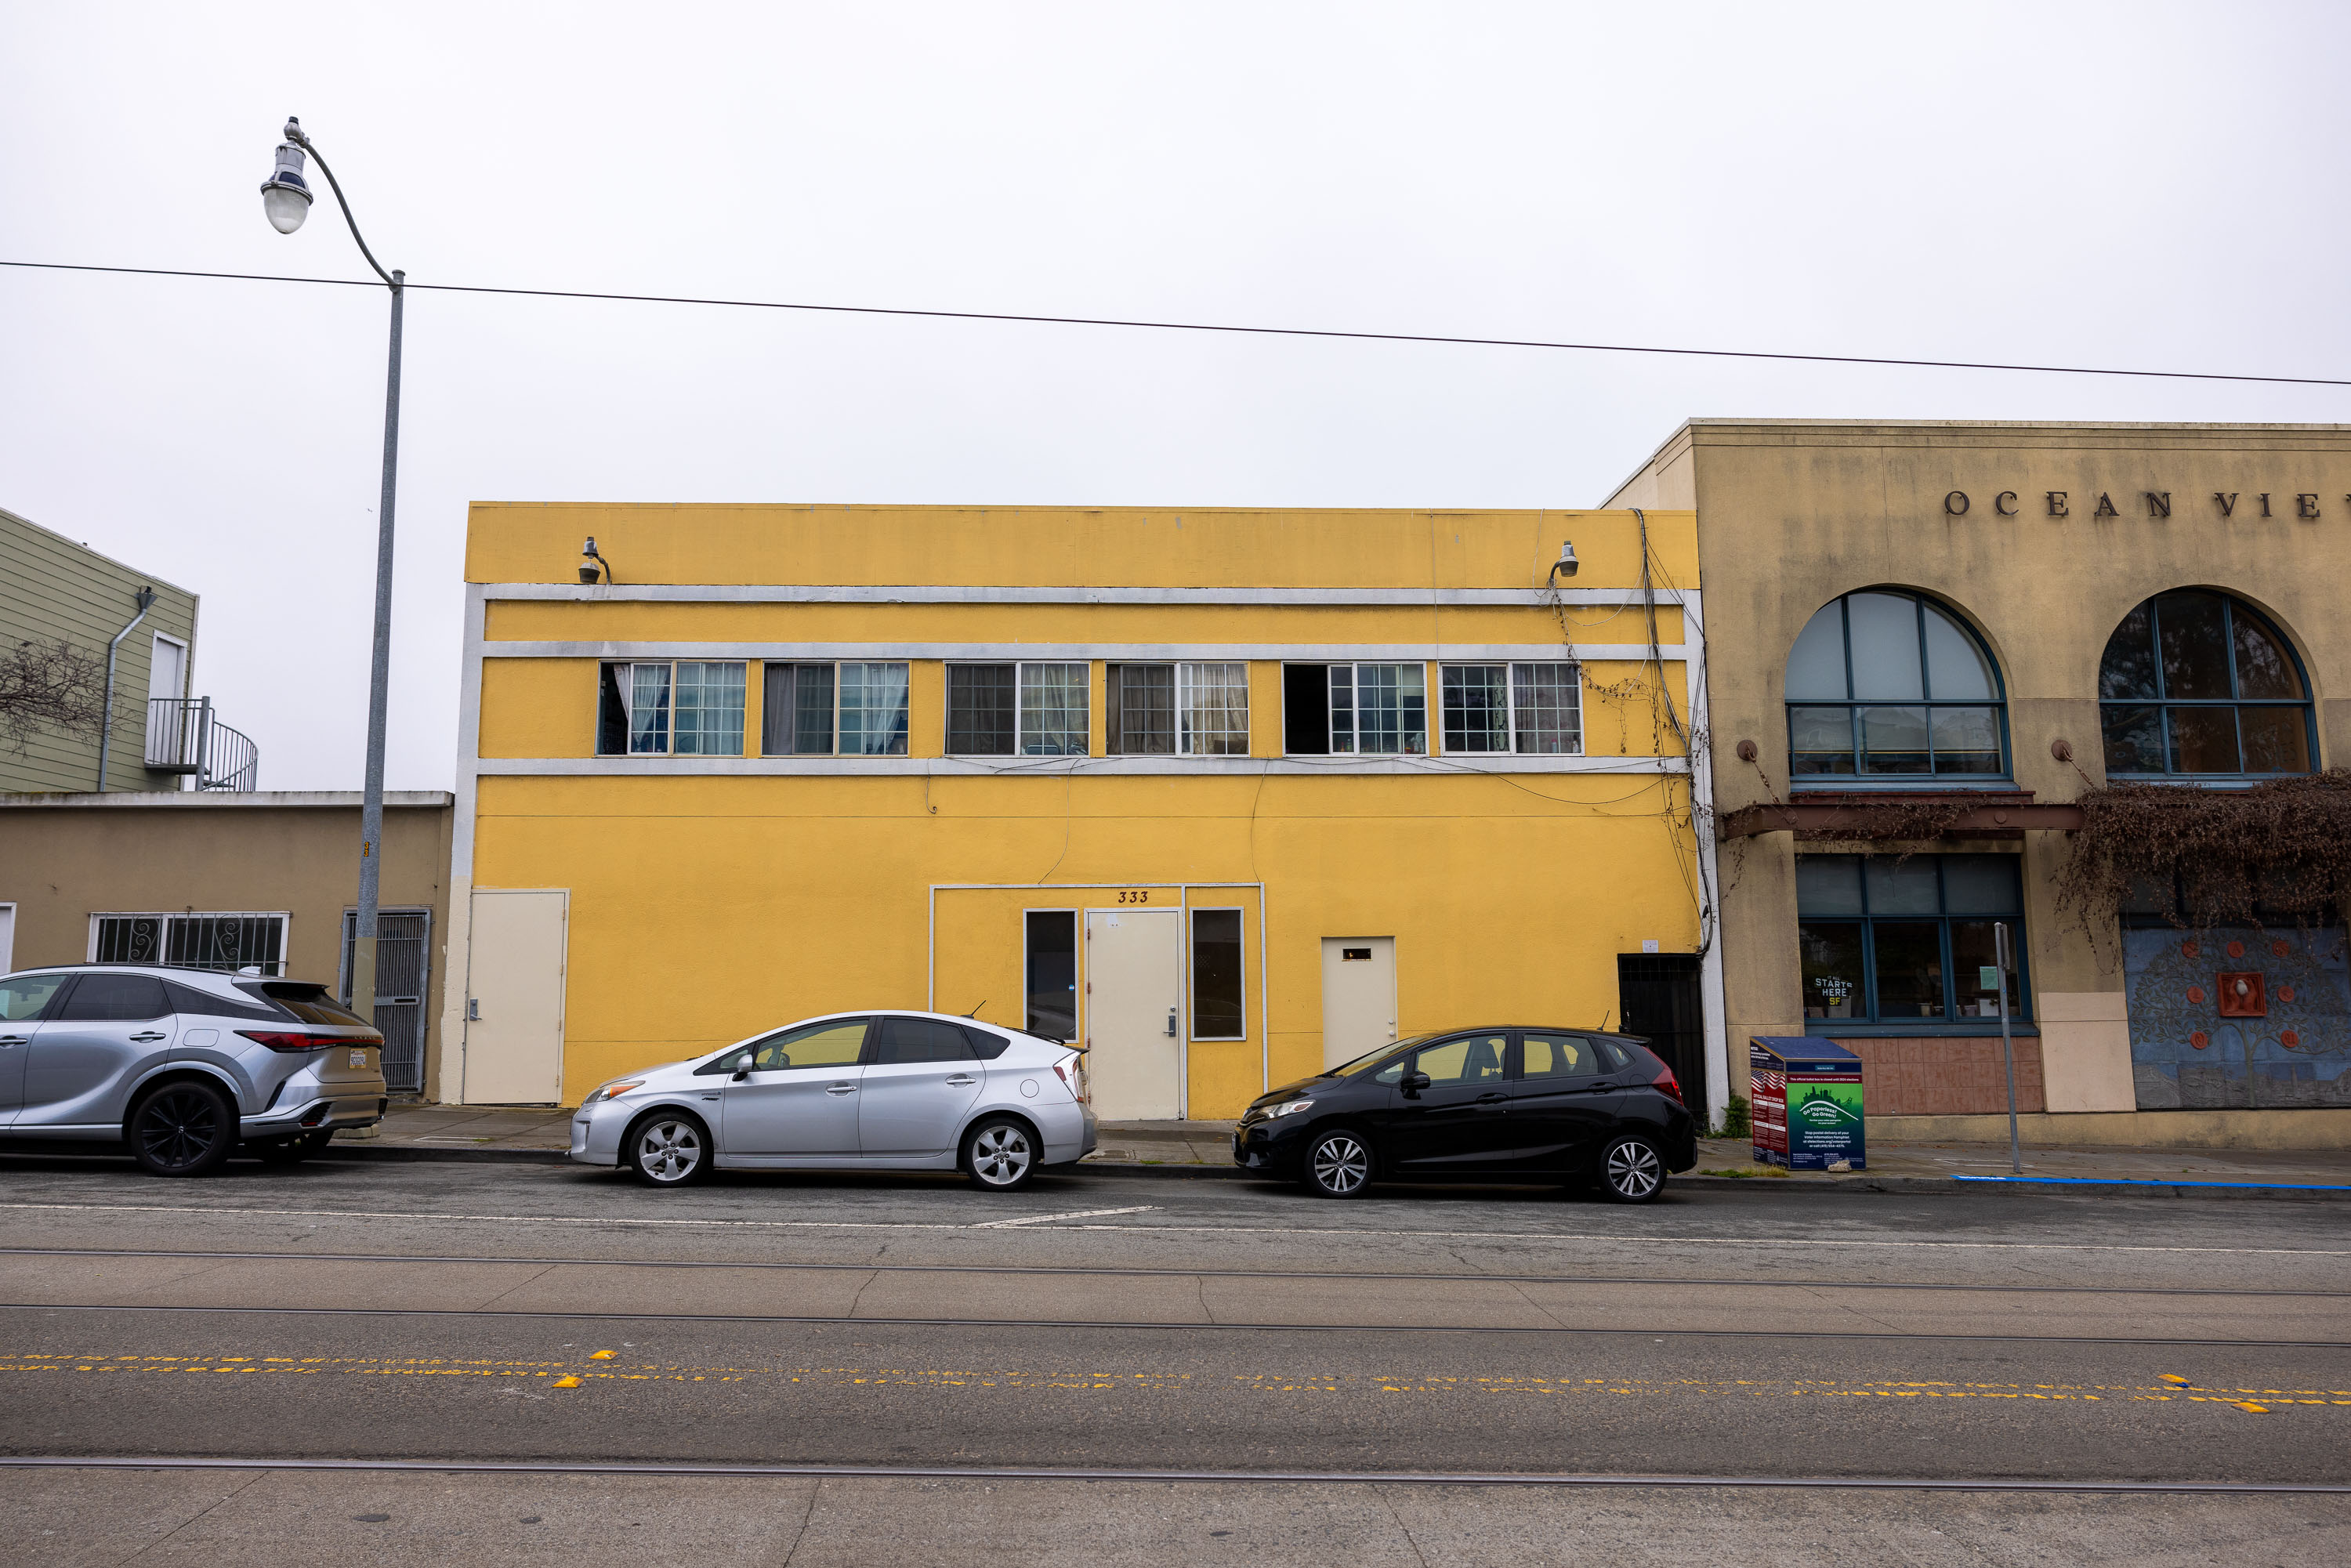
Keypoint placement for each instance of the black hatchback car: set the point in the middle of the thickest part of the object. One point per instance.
(1481, 1104)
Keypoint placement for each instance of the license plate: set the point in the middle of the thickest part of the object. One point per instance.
(358, 1059)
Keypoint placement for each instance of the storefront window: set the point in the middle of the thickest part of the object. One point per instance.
(1888, 684)
(1892, 939)
(2195, 682)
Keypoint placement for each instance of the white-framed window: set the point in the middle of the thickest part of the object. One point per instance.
(1358, 709)
(1194, 709)
(1020, 709)
(227, 940)
(686, 707)
(1531, 709)
(853, 708)
(1219, 976)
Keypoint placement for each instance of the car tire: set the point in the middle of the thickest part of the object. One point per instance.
(1000, 1154)
(667, 1149)
(1631, 1169)
(1338, 1165)
(182, 1129)
(293, 1149)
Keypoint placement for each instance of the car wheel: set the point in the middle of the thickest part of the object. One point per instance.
(1631, 1170)
(668, 1148)
(183, 1129)
(1339, 1164)
(294, 1149)
(1000, 1154)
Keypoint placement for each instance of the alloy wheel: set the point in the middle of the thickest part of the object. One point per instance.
(1000, 1154)
(178, 1127)
(1633, 1171)
(669, 1151)
(1340, 1165)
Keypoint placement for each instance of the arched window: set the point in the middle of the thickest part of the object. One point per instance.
(1885, 683)
(2195, 682)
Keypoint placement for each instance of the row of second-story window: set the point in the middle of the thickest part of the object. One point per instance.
(1044, 708)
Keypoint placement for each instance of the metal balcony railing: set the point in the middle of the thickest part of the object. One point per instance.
(182, 737)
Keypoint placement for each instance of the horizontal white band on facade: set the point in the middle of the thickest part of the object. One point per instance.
(932, 593)
(1073, 653)
(1452, 764)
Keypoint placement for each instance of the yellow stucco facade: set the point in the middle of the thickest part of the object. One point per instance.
(1496, 874)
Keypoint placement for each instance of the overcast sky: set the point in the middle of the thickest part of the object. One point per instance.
(2128, 184)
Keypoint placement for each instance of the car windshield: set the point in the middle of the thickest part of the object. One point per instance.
(1391, 1048)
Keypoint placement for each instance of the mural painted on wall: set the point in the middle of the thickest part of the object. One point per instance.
(2238, 1018)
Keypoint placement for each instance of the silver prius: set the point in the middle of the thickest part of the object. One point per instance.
(867, 1091)
(181, 1065)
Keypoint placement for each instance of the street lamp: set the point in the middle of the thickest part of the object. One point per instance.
(285, 199)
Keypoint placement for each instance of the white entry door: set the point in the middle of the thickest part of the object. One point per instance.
(1135, 998)
(1359, 1008)
(7, 938)
(514, 998)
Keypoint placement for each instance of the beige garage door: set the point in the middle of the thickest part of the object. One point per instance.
(514, 998)
(1135, 991)
(1358, 1009)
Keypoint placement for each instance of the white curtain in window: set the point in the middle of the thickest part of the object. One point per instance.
(648, 708)
(709, 710)
(1053, 710)
(873, 710)
(1213, 700)
(1546, 700)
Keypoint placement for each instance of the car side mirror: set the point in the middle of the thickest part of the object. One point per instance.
(1414, 1082)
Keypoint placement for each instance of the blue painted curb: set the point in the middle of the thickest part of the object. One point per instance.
(2133, 1181)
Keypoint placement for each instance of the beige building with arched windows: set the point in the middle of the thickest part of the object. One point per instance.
(1978, 619)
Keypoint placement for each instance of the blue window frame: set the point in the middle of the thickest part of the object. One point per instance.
(1894, 939)
(1890, 685)
(2198, 684)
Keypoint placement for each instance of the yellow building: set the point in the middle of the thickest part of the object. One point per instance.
(1225, 795)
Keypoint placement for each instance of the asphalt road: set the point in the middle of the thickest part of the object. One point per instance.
(1183, 1342)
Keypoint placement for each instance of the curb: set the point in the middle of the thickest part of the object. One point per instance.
(1911, 1185)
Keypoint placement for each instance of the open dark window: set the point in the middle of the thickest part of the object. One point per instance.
(1306, 709)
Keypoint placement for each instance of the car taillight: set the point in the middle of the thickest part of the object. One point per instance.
(1668, 1082)
(293, 1043)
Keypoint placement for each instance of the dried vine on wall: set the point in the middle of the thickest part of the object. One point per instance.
(2278, 848)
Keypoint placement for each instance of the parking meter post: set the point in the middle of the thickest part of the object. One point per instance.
(2007, 1048)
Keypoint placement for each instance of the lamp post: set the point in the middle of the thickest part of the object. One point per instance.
(285, 199)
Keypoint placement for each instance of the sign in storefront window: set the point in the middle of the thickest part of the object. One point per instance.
(1894, 939)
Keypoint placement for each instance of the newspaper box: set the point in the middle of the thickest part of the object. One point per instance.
(1805, 1102)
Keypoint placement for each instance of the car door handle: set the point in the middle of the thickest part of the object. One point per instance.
(962, 1081)
(148, 1036)
(15, 1039)
(1492, 1102)
(841, 1088)
(1598, 1088)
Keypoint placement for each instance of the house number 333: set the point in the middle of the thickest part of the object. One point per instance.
(1135, 895)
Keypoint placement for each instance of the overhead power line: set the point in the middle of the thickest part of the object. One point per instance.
(1330, 332)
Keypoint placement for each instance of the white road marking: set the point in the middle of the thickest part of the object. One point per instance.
(1049, 1218)
(1188, 1230)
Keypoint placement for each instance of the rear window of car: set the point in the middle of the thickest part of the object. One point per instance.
(908, 1040)
(309, 1003)
(989, 1045)
(188, 998)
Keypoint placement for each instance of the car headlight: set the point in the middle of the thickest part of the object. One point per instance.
(1290, 1107)
(612, 1090)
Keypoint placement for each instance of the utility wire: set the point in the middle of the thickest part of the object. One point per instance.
(1218, 326)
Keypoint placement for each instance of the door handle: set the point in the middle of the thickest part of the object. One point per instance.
(148, 1036)
(15, 1039)
(840, 1089)
(963, 1080)
(1489, 1101)
(1171, 1023)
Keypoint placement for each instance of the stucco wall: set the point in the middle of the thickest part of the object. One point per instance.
(65, 858)
(1794, 512)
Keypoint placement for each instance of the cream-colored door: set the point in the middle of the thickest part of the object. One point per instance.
(1134, 996)
(514, 998)
(1359, 1010)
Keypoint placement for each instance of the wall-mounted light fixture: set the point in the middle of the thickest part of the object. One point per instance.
(1566, 564)
(590, 561)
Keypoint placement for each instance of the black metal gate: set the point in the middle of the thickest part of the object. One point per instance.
(402, 964)
(1658, 996)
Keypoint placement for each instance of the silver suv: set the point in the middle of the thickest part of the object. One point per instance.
(182, 1065)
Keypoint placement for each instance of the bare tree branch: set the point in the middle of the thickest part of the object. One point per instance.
(50, 686)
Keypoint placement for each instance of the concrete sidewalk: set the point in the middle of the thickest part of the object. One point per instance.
(538, 1134)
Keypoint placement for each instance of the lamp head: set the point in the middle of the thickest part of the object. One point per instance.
(591, 565)
(286, 194)
(1565, 565)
